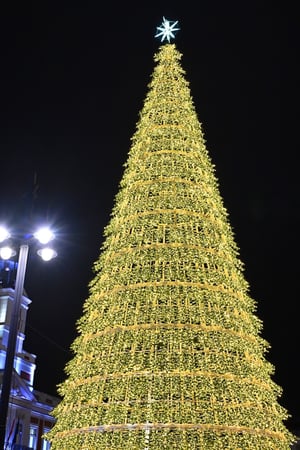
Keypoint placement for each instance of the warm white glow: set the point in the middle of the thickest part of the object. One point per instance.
(44, 235)
(47, 253)
(6, 252)
(4, 234)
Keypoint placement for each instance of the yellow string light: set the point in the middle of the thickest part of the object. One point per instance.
(169, 353)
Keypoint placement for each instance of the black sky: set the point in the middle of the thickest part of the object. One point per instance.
(73, 79)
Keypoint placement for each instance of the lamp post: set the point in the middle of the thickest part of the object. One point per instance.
(44, 236)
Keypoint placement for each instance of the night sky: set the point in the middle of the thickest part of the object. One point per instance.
(73, 79)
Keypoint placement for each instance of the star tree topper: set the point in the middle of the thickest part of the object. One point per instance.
(166, 30)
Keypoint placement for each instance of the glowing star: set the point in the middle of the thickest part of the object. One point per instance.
(166, 30)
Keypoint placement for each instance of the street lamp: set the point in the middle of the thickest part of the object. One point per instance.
(44, 236)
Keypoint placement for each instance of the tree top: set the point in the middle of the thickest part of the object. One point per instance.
(167, 30)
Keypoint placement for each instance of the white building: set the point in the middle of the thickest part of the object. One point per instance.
(29, 410)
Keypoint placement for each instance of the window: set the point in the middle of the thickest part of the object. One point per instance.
(46, 445)
(33, 437)
(3, 308)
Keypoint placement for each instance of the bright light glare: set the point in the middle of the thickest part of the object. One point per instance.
(4, 234)
(167, 29)
(47, 253)
(6, 252)
(44, 235)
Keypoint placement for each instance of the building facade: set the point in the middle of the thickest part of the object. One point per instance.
(29, 410)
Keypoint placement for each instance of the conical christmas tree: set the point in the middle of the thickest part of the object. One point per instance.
(169, 353)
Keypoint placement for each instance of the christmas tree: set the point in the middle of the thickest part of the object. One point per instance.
(169, 353)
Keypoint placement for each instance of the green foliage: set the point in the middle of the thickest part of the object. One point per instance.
(169, 352)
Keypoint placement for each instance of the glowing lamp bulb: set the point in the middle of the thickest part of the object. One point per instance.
(6, 252)
(44, 235)
(47, 253)
(4, 234)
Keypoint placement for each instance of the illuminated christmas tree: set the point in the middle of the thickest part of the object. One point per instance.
(169, 353)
